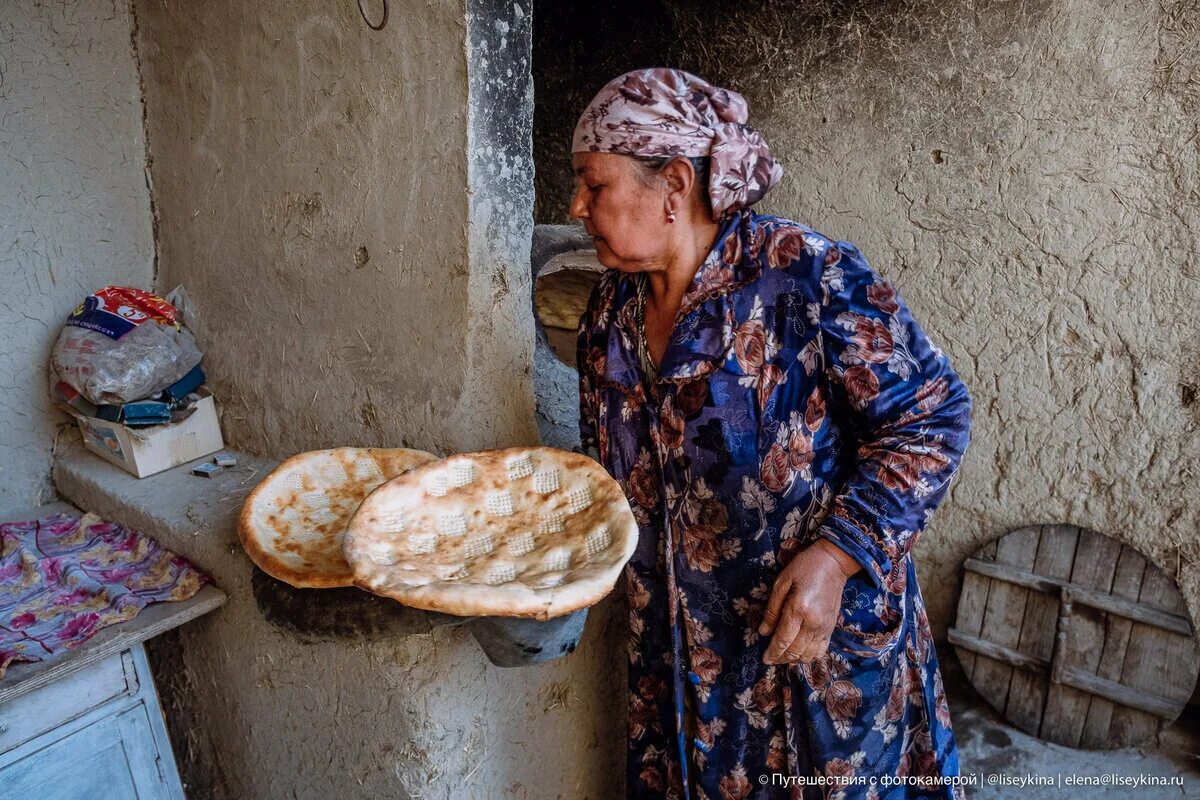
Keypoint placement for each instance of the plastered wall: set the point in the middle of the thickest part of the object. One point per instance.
(351, 212)
(1028, 174)
(74, 205)
(312, 176)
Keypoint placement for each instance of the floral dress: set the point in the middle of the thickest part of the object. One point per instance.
(797, 398)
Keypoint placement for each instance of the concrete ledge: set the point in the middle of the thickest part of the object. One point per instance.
(197, 518)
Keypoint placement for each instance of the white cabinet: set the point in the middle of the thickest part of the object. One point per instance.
(95, 733)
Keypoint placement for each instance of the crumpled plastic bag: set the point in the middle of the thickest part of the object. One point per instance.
(123, 344)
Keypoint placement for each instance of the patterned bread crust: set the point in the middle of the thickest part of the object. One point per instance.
(292, 523)
(522, 532)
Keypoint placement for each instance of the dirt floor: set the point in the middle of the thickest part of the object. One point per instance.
(1003, 756)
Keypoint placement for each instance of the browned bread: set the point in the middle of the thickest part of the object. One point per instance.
(292, 524)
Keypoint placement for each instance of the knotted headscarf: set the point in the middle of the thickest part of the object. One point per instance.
(668, 112)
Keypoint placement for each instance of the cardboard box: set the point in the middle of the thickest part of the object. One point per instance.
(146, 451)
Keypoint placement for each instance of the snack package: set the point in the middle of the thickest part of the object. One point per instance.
(123, 344)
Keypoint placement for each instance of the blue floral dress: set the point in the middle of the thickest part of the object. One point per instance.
(797, 398)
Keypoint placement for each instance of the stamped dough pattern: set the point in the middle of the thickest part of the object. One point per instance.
(483, 559)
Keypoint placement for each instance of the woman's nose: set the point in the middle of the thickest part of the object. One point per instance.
(578, 207)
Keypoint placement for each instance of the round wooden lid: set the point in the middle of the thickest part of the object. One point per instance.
(1075, 638)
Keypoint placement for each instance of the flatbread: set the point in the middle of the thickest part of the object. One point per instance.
(292, 524)
(522, 532)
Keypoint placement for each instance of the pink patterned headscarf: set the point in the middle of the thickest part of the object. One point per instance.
(668, 112)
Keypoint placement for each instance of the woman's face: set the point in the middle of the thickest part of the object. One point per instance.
(626, 219)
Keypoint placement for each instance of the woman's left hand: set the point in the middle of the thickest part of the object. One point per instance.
(805, 603)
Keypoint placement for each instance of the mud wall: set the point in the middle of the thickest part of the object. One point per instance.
(350, 211)
(312, 178)
(1028, 173)
(74, 205)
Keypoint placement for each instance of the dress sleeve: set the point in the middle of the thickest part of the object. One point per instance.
(906, 407)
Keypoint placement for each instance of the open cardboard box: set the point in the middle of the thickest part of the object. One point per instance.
(149, 450)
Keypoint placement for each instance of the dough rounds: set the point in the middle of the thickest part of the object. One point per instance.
(523, 532)
(292, 524)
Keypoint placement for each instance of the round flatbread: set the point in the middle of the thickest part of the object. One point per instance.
(522, 532)
(292, 524)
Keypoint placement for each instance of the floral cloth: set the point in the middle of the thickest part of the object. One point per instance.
(61, 581)
(668, 112)
(797, 398)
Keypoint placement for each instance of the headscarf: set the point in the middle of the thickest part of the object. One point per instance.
(668, 112)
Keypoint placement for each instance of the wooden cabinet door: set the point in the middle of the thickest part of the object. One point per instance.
(95, 734)
(115, 758)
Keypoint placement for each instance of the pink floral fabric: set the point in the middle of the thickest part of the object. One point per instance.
(668, 112)
(61, 581)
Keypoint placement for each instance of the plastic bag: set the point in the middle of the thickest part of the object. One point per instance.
(123, 344)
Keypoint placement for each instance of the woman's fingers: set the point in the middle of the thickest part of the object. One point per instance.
(779, 593)
(787, 639)
(783, 647)
(803, 612)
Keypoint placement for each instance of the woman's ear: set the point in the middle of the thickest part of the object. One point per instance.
(680, 177)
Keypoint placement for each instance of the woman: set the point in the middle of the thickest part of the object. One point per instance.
(783, 429)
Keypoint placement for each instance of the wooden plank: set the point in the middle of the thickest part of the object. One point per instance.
(971, 604)
(1003, 614)
(1007, 655)
(1100, 688)
(165, 764)
(1027, 698)
(1066, 707)
(88, 763)
(25, 676)
(147, 761)
(1155, 661)
(1127, 583)
(1103, 690)
(1104, 601)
